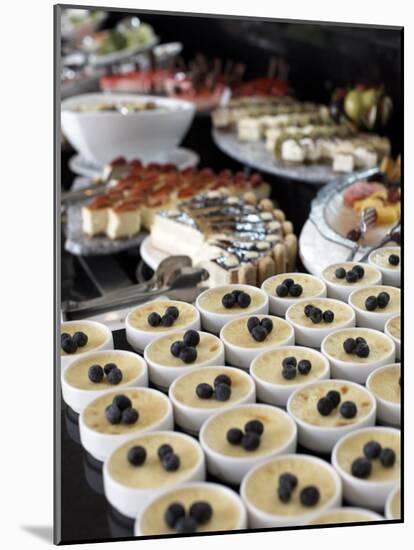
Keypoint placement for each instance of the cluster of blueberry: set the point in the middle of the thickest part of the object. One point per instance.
(199, 513)
(309, 495)
(291, 367)
(358, 346)
(351, 276)
(121, 411)
(236, 298)
(169, 460)
(113, 374)
(185, 349)
(221, 390)
(167, 320)
(259, 329)
(316, 315)
(70, 344)
(327, 404)
(382, 300)
(362, 466)
(289, 287)
(250, 439)
(393, 259)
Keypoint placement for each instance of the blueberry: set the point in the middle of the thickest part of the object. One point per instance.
(267, 324)
(359, 270)
(360, 340)
(284, 493)
(137, 455)
(113, 414)
(173, 513)
(308, 310)
(222, 392)
(68, 345)
(362, 350)
(250, 441)
(234, 436)
(340, 273)
(393, 259)
(176, 348)
(295, 290)
(129, 416)
(95, 374)
(204, 391)
(186, 524)
(289, 361)
(349, 345)
(288, 480)
(201, 512)
(372, 449)
(371, 303)
(282, 291)
(348, 409)
(324, 406)
(304, 366)
(64, 336)
(387, 457)
(188, 354)
(115, 376)
(163, 450)
(361, 467)
(222, 379)
(334, 397)
(122, 402)
(167, 320)
(252, 322)
(383, 299)
(173, 311)
(80, 338)
(191, 338)
(244, 300)
(289, 372)
(170, 462)
(108, 367)
(328, 316)
(288, 282)
(259, 333)
(351, 276)
(228, 301)
(309, 495)
(154, 319)
(254, 426)
(316, 315)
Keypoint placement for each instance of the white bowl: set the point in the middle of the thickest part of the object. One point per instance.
(261, 519)
(389, 276)
(368, 515)
(78, 398)
(190, 419)
(102, 136)
(388, 412)
(342, 291)
(279, 306)
(362, 492)
(397, 341)
(312, 336)
(388, 511)
(357, 372)
(221, 489)
(139, 338)
(232, 469)
(372, 319)
(214, 322)
(322, 439)
(278, 394)
(162, 376)
(130, 501)
(107, 344)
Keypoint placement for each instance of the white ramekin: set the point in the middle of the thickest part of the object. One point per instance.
(388, 511)
(190, 419)
(101, 445)
(357, 372)
(322, 439)
(232, 469)
(77, 398)
(397, 341)
(214, 322)
(389, 276)
(130, 501)
(108, 343)
(342, 292)
(259, 519)
(139, 339)
(313, 336)
(278, 394)
(369, 515)
(279, 306)
(362, 492)
(371, 319)
(388, 413)
(162, 376)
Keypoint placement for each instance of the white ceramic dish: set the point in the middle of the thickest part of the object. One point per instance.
(103, 136)
(390, 276)
(388, 504)
(78, 398)
(342, 291)
(397, 341)
(107, 344)
(376, 319)
(388, 412)
(366, 515)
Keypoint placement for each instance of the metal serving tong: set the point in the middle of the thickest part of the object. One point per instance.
(367, 219)
(89, 192)
(393, 234)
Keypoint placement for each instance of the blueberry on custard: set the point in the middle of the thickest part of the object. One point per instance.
(154, 319)
(393, 259)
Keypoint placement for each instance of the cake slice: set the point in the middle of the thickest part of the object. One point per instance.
(124, 220)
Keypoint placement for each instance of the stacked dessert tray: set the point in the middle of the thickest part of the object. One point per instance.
(271, 406)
